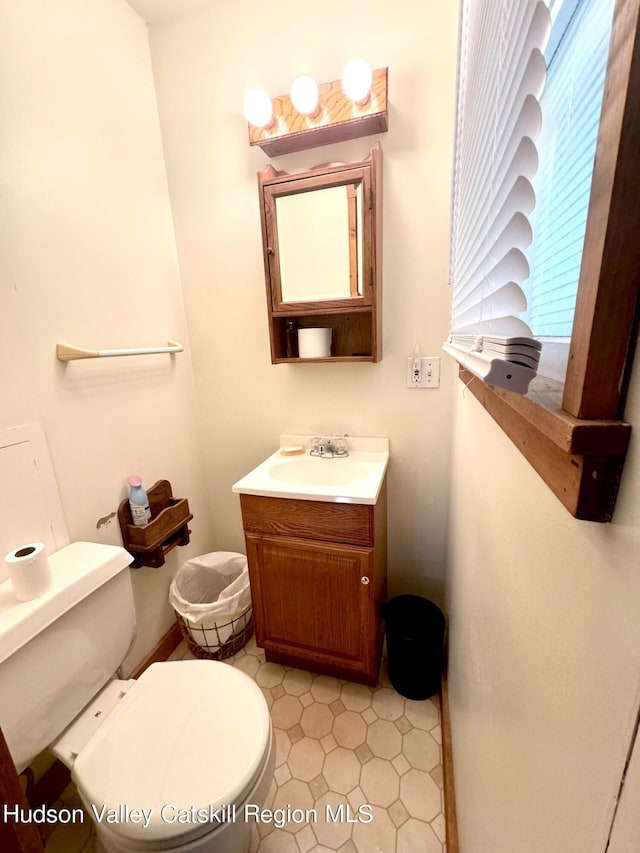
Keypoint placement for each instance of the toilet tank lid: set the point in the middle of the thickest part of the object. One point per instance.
(77, 570)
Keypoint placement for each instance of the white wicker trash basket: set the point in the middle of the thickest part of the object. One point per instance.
(211, 598)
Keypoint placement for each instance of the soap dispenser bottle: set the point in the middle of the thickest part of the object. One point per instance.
(138, 501)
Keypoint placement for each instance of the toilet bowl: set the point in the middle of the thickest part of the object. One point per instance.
(179, 759)
(180, 762)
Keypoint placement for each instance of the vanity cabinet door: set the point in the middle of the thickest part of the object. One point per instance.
(315, 604)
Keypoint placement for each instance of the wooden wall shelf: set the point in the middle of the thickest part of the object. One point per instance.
(168, 527)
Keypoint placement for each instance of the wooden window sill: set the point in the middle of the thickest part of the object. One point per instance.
(571, 435)
(580, 460)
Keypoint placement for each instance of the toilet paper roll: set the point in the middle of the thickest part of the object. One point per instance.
(314, 343)
(29, 571)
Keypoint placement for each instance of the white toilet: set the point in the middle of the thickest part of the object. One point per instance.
(164, 762)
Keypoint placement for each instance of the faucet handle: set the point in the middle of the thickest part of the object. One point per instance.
(340, 446)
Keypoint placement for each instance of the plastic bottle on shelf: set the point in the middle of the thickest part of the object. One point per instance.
(138, 501)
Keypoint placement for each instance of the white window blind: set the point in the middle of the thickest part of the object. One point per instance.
(571, 104)
(501, 76)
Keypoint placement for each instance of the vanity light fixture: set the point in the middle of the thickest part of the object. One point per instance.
(313, 115)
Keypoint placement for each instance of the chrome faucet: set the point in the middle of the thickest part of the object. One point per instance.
(329, 448)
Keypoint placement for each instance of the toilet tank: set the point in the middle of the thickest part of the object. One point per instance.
(58, 650)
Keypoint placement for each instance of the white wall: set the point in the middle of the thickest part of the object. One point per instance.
(544, 648)
(87, 256)
(203, 63)
(544, 642)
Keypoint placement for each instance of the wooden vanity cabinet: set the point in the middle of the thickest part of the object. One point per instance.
(318, 576)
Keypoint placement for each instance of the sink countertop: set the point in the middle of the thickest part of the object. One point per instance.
(356, 478)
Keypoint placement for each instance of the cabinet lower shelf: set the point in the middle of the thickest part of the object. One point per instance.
(327, 359)
(353, 337)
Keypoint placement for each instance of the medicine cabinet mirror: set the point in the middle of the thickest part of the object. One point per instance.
(321, 233)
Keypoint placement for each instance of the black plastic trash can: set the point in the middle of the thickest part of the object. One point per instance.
(414, 628)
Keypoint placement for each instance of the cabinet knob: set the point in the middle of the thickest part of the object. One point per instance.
(364, 580)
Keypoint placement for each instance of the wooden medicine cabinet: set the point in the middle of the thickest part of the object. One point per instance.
(322, 241)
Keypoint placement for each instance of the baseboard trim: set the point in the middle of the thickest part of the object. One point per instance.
(450, 813)
(161, 651)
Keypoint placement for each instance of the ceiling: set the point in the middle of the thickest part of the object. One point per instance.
(152, 11)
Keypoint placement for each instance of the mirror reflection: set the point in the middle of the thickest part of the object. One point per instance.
(320, 243)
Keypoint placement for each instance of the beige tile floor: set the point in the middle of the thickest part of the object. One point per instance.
(336, 743)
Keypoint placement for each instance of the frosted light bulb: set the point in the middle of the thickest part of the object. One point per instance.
(356, 81)
(304, 95)
(257, 108)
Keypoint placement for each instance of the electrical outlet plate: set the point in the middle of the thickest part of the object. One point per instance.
(430, 372)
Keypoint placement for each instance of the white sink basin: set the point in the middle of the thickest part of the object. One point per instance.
(313, 471)
(357, 478)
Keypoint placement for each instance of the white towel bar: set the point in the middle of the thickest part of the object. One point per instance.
(66, 352)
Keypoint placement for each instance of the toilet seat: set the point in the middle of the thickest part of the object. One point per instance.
(188, 739)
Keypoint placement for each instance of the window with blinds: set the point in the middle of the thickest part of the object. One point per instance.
(501, 76)
(571, 105)
(525, 144)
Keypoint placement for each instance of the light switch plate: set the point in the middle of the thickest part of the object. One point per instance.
(430, 372)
